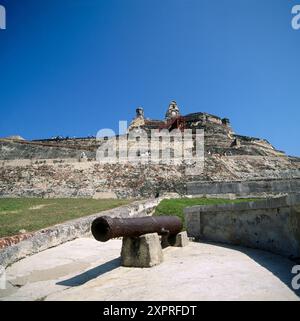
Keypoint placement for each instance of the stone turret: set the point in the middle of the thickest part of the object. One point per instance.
(139, 112)
(173, 111)
(139, 119)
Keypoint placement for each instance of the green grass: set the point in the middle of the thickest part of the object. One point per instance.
(176, 206)
(32, 214)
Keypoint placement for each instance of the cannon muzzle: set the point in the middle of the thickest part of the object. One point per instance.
(105, 228)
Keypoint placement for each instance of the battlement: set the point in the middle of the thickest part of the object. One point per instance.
(193, 120)
(220, 138)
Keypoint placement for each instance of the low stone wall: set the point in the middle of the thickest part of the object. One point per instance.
(271, 224)
(61, 233)
(245, 188)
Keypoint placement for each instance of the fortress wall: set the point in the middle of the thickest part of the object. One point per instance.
(80, 143)
(10, 150)
(28, 162)
(69, 178)
(272, 224)
(245, 188)
(90, 179)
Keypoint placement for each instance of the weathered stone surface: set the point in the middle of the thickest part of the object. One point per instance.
(182, 239)
(18, 149)
(85, 269)
(51, 168)
(245, 188)
(75, 179)
(272, 224)
(83, 157)
(105, 195)
(10, 240)
(88, 179)
(143, 251)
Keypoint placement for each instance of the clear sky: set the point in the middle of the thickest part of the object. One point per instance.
(72, 67)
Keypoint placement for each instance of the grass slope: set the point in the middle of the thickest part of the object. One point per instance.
(32, 214)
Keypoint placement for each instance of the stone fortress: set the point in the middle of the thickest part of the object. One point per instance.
(62, 262)
(67, 167)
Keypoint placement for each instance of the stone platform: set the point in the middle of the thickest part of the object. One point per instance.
(85, 269)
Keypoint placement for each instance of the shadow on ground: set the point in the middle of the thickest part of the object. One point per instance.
(269, 261)
(86, 276)
(279, 266)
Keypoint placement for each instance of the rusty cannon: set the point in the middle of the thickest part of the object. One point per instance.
(143, 237)
(105, 228)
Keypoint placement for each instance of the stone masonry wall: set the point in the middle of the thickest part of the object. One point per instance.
(272, 224)
(244, 188)
(90, 179)
(15, 150)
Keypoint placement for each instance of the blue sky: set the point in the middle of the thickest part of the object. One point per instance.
(72, 67)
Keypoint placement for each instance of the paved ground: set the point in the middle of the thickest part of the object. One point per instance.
(85, 269)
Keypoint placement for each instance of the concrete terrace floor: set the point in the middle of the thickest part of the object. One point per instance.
(85, 269)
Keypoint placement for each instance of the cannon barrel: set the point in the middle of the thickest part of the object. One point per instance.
(105, 228)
